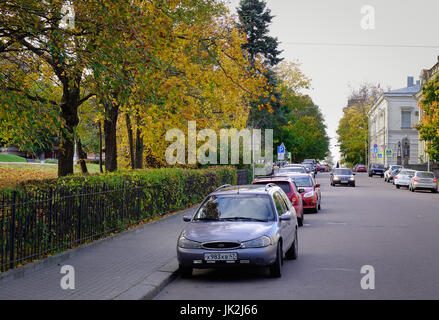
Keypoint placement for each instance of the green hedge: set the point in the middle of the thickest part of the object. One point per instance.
(53, 215)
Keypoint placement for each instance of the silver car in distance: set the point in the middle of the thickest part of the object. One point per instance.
(423, 180)
(253, 225)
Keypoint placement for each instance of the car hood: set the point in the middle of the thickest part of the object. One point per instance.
(307, 189)
(227, 230)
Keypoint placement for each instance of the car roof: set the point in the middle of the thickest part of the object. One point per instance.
(245, 189)
(271, 178)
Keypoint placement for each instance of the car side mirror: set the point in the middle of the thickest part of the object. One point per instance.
(187, 218)
(301, 190)
(353, 174)
(285, 217)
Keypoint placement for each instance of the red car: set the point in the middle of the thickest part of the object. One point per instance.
(310, 191)
(289, 187)
(360, 168)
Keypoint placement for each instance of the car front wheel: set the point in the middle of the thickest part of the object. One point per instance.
(185, 272)
(275, 271)
(293, 251)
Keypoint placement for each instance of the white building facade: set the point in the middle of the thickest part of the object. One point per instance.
(392, 121)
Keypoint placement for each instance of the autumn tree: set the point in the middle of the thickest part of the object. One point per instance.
(353, 128)
(429, 125)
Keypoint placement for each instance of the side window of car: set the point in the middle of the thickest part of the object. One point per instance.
(286, 201)
(280, 204)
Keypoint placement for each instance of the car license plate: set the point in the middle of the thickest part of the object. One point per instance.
(221, 256)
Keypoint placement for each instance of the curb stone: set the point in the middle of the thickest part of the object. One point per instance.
(149, 287)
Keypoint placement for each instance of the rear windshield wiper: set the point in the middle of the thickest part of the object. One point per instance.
(245, 218)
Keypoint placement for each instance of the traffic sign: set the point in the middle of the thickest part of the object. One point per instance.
(379, 155)
(375, 150)
(281, 148)
(389, 153)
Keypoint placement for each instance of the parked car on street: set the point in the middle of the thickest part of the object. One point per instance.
(423, 180)
(313, 162)
(342, 176)
(288, 170)
(391, 172)
(376, 169)
(289, 187)
(254, 225)
(310, 191)
(403, 177)
(310, 169)
(359, 168)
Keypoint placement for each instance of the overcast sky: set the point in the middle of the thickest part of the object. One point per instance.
(337, 67)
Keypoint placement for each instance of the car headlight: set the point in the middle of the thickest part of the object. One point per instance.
(352, 178)
(336, 178)
(260, 242)
(309, 194)
(188, 244)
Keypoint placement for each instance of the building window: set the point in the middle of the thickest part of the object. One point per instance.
(406, 119)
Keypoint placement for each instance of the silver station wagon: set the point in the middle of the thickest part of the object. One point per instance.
(423, 180)
(254, 225)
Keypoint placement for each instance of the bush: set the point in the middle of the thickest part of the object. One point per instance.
(56, 214)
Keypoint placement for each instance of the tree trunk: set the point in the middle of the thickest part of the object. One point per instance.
(100, 147)
(66, 152)
(110, 137)
(139, 145)
(82, 156)
(130, 141)
(69, 112)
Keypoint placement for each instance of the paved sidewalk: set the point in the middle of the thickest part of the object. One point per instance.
(134, 265)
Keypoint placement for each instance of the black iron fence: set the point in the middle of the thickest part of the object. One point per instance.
(36, 224)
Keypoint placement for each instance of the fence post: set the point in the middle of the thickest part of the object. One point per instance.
(50, 217)
(79, 217)
(12, 240)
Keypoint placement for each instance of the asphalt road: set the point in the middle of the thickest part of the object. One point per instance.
(395, 231)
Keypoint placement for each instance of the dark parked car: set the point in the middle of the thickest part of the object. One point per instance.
(236, 226)
(376, 169)
(342, 176)
(289, 187)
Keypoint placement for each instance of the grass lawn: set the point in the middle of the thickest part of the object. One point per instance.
(13, 173)
(11, 158)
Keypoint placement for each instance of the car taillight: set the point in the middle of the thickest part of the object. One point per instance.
(435, 180)
(415, 179)
(396, 177)
(293, 200)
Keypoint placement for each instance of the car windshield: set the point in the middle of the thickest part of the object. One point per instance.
(406, 172)
(425, 175)
(285, 186)
(236, 207)
(292, 169)
(377, 166)
(303, 181)
(343, 172)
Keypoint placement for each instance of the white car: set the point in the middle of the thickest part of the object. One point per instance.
(402, 179)
(390, 173)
